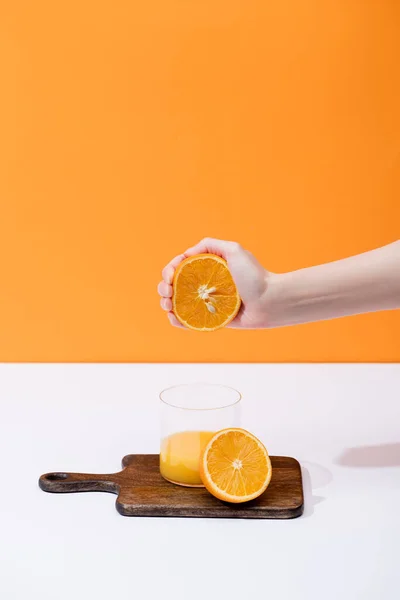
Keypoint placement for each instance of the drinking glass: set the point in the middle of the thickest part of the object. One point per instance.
(190, 415)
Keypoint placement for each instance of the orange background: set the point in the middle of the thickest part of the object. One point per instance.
(130, 130)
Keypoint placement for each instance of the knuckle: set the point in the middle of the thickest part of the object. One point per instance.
(235, 246)
(167, 274)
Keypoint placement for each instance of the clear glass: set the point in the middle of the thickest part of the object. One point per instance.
(190, 415)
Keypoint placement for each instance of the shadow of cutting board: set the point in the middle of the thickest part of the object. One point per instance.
(142, 492)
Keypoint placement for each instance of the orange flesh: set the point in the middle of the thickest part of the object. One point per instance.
(235, 466)
(205, 296)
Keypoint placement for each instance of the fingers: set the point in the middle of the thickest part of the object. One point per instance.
(174, 321)
(165, 289)
(169, 270)
(214, 246)
(166, 304)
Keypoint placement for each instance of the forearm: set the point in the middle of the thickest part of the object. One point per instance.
(364, 283)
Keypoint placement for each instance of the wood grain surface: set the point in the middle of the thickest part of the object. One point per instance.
(142, 492)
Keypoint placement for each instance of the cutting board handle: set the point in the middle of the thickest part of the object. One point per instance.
(79, 482)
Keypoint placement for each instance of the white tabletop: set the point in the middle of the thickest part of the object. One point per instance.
(341, 421)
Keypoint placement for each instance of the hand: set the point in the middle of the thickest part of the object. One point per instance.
(252, 282)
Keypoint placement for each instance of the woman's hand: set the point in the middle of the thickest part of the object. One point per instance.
(252, 281)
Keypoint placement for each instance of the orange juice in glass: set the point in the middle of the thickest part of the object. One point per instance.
(190, 415)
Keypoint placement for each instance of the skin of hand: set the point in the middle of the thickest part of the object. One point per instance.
(252, 281)
(358, 284)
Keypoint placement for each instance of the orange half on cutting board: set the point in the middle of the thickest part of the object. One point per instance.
(205, 297)
(235, 466)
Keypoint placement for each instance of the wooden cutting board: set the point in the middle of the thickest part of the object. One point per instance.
(142, 492)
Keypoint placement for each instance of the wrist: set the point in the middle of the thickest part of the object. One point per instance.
(304, 296)
(295, 298)
(277, 305)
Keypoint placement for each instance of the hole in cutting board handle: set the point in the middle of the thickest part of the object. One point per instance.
(56, 476)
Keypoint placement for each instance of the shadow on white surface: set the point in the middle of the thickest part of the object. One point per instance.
(314, 476)
(382, 455)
